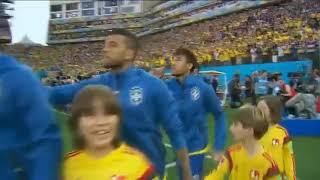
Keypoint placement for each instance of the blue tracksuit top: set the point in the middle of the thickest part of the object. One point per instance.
(146, 104)
(29, 136)
(196, 99)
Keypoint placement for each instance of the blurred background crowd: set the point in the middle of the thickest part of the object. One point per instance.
(251, 32)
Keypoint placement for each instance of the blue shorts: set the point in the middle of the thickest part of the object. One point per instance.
(196, 164)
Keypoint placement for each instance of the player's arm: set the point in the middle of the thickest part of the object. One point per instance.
(167, 112)
(213, 105)
(42, 153)
(221, 170)
(62, 95)
(288, 159)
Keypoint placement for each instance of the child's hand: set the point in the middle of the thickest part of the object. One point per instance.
(217, 156)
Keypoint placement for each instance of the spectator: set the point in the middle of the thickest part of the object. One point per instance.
(280, 53)
(249, 86)
(286, 91)
(215, 83)
(303, 104)
(261, 86)
(253, 52)
(235, 91)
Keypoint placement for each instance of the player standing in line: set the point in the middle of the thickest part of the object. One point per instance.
(247, 160)
(277, 140)
(30, 139)
(145, 100)
(196, 99)
(30, 142)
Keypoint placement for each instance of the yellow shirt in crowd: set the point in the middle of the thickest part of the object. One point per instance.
(279, 145)
(124, 163)
(237, 165)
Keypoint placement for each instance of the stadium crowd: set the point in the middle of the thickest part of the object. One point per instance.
(258, 32)
(280, 31)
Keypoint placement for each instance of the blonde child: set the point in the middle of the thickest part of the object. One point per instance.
(247, 160)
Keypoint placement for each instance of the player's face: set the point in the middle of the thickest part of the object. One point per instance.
(115, 51)
(100, 129)
(238, 132)
(180, 66)
(262, 105)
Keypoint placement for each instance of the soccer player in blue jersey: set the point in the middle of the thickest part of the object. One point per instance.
(146, 101)
(30, 142)
(196, 99)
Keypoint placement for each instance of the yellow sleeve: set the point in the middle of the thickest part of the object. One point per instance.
(221, 171)
(288, 160)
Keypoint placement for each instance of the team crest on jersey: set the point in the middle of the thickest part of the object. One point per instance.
(116, 92)
(254, 175)
(195, 93)
(275, 142)
(136, 95)
(115, 177)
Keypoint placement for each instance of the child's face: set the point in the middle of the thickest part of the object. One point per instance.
(99, 129)
(262, 105)
(238, 132)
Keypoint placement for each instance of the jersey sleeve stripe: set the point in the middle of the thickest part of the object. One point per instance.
(72, 154)
(294, 166)
(228, 156)
(268, 157)
(148, 174)
(273, 170)
(286, 139)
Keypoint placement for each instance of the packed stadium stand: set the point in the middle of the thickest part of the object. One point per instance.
(219, 32)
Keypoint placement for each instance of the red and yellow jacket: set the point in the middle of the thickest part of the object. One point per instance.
(236, 164)
(278, 144)
(124, 163)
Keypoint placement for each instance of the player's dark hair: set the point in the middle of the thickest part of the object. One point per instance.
(190, 57)
(275, 106)
(252, 117)
(132, 40)
(83, 105)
